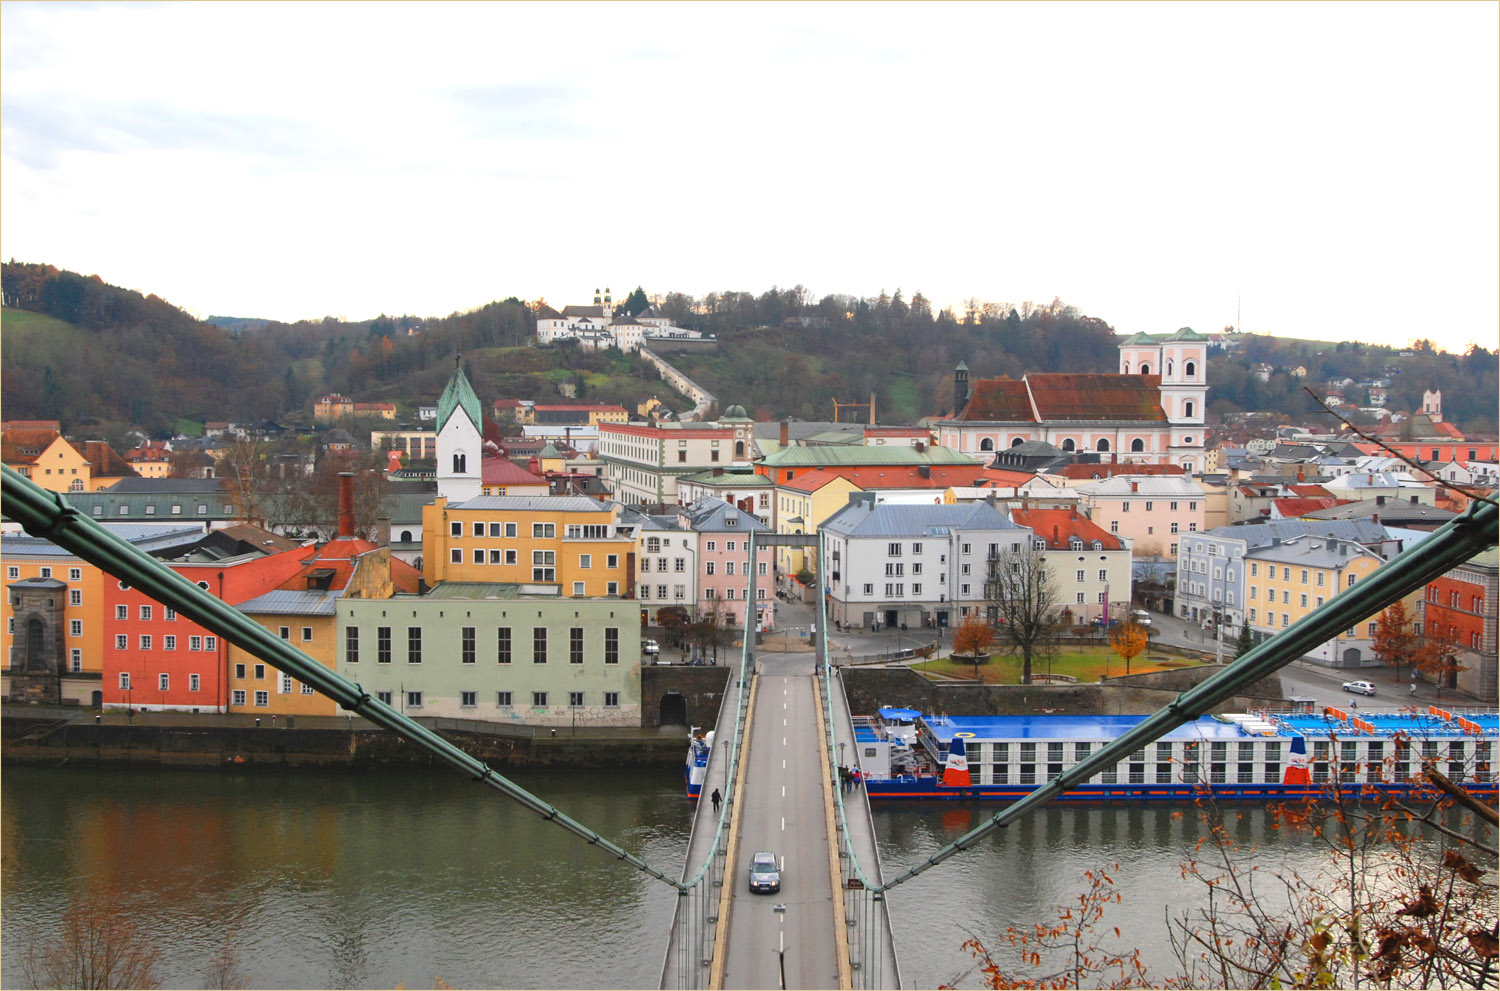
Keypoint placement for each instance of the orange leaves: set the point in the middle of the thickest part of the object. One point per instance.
(1128, 640)
(973, 636)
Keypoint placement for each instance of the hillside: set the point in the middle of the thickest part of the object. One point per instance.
(82, 351)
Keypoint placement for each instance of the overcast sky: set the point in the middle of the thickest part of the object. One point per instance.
(1332, 167)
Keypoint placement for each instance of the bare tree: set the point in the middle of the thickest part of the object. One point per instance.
(1022, 601)
(97, 946)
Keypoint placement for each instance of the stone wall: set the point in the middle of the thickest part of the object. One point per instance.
(870, 688)
(702, 688)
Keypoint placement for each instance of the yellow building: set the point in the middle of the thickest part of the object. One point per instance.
(45, 457)
(1289, 579)
(572, 542)
(802, 504)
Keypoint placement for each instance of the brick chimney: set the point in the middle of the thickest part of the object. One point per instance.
(1135, 486)
(346, 504)
(786, 433)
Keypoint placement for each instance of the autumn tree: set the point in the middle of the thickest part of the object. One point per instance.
(1021, 598)
(674, 622)
(1128, 640)
(1436, 656)
(972, 639)
(1395, 638)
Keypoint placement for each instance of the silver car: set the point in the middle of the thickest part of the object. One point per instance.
(765, 876)
(1359, 687)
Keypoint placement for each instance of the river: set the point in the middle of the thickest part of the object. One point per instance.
(332, 879)
(384, 879)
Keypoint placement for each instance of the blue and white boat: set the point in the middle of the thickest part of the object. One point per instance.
(1256, 756)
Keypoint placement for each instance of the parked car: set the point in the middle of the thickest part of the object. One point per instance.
(1141, 616)
(765, 876)
(1359, 687)
(650, 647)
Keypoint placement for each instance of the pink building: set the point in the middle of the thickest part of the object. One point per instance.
(724, 565)
(1149, 511)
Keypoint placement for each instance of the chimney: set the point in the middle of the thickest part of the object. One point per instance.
(921, 446)
(1056, 539)
(1380, 500)
(718, 471)
(1135, 486)
(786, 433)
(383, 531)
(1301, 475)
(346, 504)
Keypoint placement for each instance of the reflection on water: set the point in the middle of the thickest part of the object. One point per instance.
(1020, 875)
(350, 880)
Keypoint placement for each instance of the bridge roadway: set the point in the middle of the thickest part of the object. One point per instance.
(791, 939)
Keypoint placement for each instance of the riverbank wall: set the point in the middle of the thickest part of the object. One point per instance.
(1139, 694)
(172, 740)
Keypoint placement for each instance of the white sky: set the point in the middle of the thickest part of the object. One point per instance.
(1334, 166)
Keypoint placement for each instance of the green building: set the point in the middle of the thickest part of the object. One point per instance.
(496, 652)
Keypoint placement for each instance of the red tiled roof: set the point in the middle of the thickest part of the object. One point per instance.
(1311, 491)
(1109, 470)
(506, 404)
(1058, 526)
(32, 425)
(104, 460)
(1082, 396)
(1002, 476)
(580, 407)
(1291, 507)
(998, 399)
(503, 471)
(340, 556)
(24, 446)
(813, 480)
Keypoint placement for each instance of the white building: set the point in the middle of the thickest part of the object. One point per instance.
(911, 566)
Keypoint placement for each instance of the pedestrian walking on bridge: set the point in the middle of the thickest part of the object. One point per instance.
(717, 799)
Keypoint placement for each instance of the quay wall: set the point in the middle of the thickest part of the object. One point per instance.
(1140, 694)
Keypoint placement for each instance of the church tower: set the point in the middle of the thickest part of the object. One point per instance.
(460, 439)
(1184, 394)
(1432, 404)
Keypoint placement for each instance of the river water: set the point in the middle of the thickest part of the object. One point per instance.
(380, 879)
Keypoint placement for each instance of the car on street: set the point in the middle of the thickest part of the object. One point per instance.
(765, 876)
(650, 647)
(1141, 616)
(1359, 687)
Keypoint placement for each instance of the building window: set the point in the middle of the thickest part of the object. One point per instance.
(384, 697)
(260, 672)
(237, 697)
(351, 645)
(575, 700)
(545, 531)
(539, 645)
(285, 686)
(382, 645)
(539, 700)
(195, 643)
(414, 645)
(75, 657)
(122, 612)
(262, 698)
(456, 555)
(284, 632)
(503, 699)
(578, 590)
(122, 642)
(468, 699)
(193, 682)
(611, 700)
(169, 642)
(414, 700)
(611, 645)
(145, 641)
(575, 645)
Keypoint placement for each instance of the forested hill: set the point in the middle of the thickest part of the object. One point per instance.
(79, 350)
(94, 355)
